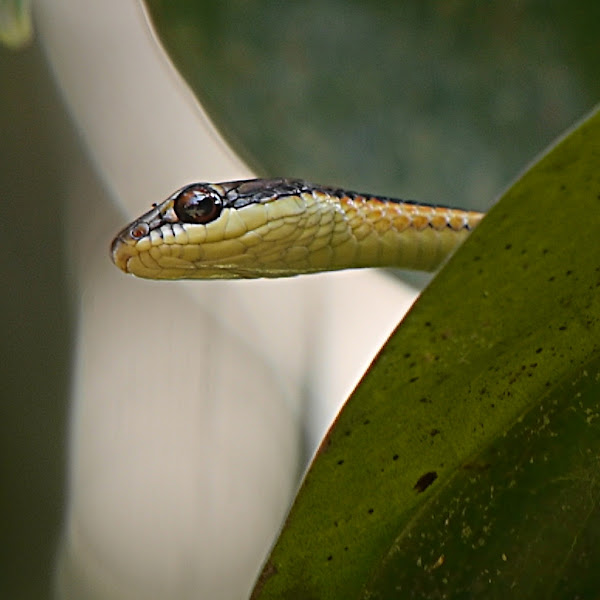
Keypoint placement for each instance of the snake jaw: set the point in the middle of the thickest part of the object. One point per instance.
(119, 254)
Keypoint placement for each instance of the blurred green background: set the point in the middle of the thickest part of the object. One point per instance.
(441, 102)
(36, 324)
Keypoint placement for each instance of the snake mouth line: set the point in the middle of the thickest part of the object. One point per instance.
(119, 257)
(123, 256)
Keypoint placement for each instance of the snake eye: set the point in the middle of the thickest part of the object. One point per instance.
(197, 204)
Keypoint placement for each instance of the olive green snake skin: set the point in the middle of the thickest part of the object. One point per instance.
(284, 227)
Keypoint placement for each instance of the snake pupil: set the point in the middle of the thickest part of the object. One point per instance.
(197, 204)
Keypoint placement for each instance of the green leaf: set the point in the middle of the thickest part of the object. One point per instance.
(466, 463)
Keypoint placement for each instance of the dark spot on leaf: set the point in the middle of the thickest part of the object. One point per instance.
(562, 327)
(427, 323)
(425, 481)
(569, 273)
(407, 355)
(538, 350)
(413, 379)
(366, 422)
(425, 400)
(551, 278)
(434, 432)
(330, 557)
(347, 433)
(346, 548)
(508, 246)
(371, 511)
(533, 365)
(492, 405)
(340, 462)
(395, 457)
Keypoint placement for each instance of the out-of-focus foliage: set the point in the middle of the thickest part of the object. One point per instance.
(16, 30)
(443, 102)
(36, 324)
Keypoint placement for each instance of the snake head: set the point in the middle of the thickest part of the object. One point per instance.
(207, 231)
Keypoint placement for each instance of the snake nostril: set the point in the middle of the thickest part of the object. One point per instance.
(139, 230)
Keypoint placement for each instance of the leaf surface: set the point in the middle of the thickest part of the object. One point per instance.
(466, 462)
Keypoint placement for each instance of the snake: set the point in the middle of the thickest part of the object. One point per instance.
(283, 227)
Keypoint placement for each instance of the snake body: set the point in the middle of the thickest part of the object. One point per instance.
(284, 227)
